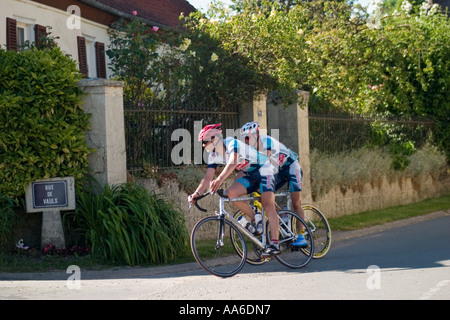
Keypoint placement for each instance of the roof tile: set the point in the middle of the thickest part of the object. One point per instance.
(164, 12)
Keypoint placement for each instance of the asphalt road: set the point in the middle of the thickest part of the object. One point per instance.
(406, 260)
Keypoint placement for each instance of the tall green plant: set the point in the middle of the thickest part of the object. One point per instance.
(42, 123)
(126, 224)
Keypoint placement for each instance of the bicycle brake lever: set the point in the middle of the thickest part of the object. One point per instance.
(222, 194)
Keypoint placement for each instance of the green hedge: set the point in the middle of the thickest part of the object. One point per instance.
(42, 124)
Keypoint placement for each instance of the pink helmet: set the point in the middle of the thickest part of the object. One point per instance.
(209, 131)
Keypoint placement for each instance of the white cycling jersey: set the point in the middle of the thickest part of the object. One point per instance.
(248, 158)
(279, 153)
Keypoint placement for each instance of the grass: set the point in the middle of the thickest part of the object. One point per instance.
(382, 216)
(28, 263)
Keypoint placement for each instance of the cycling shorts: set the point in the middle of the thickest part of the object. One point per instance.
(292, 174)
(263, 179)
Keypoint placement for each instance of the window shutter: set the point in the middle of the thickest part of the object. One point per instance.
(100, 58)
(39, 32)
(82, 58)
(11, 34)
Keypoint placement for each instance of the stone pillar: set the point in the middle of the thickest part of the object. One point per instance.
(303, 144)
(255, 110)
(104, 100)
(291, 124)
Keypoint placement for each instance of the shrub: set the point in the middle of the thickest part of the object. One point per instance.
(125, 224)
(42, 124)
(7, 219)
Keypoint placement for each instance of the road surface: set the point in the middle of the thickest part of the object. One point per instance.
(406, 261)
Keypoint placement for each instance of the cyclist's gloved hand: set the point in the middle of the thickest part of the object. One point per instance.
(192, 197)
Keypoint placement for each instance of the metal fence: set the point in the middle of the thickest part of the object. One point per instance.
(150, 139)
(149, 131)
(334, 133)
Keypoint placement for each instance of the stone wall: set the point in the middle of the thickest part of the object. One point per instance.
(381, 194)
(171, 191)
(370, 196)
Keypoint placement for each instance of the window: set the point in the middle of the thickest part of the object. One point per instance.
(25, 33)
(19, 31)
(91, 58)
(20, 36)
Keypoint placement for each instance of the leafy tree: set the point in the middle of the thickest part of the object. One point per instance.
(166, 67)
(388, 65)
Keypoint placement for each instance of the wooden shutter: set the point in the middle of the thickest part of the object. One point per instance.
(100, 59)
(82, 57)
(11, 34)
(39, 32)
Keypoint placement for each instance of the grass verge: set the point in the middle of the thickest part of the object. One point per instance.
(382, 216)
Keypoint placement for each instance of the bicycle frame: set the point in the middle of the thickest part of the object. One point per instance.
(287, 194)
(224, 214)
(261, 244)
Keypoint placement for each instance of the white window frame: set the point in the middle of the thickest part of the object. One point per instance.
(90, 56)
(28, 32)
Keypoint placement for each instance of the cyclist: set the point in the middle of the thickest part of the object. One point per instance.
(289, 167)
(236, 155)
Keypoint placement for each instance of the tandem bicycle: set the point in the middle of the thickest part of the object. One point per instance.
(220, 243)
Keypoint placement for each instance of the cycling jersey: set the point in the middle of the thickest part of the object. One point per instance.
(248, 158)
(279, 153)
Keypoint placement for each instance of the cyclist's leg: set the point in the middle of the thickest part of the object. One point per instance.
(238, 189)
(268, 202)
(293, 174)
(267, 188)
(295, 187)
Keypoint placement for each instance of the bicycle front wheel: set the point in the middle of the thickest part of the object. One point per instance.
(291, 225)
(320, 230)
(213, 249)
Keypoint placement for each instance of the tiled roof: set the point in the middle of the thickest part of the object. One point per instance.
(162, 12)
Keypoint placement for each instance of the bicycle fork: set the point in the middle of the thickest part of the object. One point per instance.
(219, 243)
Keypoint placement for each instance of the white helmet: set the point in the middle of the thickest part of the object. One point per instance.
(249, 127)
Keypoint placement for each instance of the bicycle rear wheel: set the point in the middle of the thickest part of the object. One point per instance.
(320, 229)
(292, 225)
(212, 247)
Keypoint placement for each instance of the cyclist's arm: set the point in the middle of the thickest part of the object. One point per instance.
(204, 184)
(229, 168)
